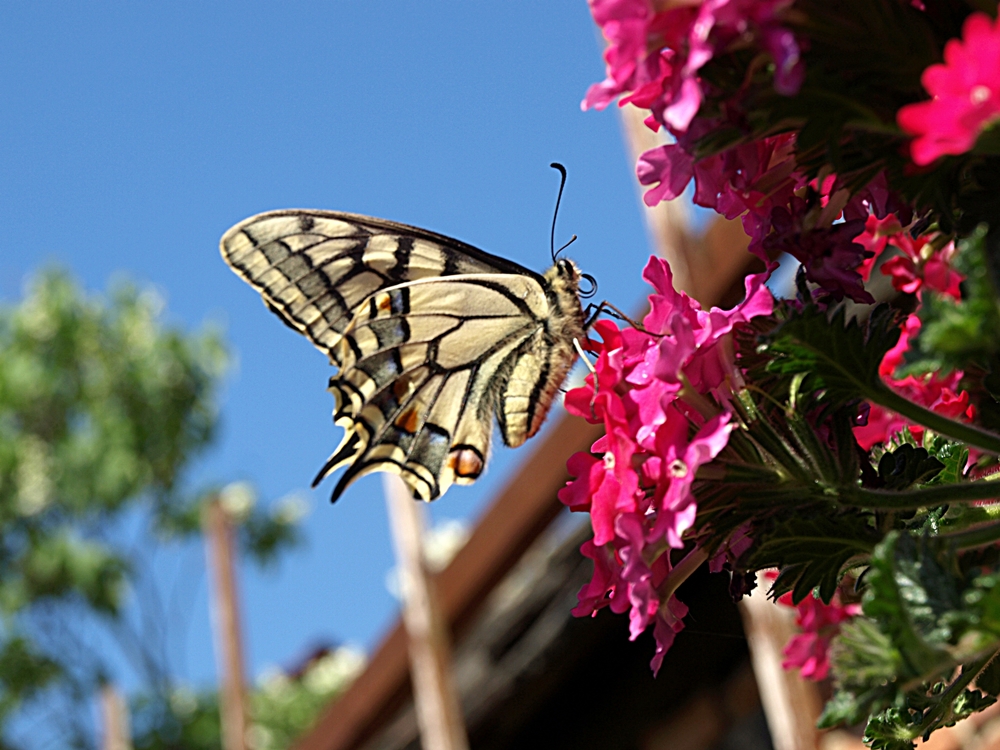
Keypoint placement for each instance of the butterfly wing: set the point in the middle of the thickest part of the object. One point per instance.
(431, 337)
(314, 268)
(424, 366)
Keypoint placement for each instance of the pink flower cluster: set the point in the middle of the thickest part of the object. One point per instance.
(820, 623)
(661, 394)
(965, 94)
(937, 392)
(920, 264)
(654, 55)
(656, 49)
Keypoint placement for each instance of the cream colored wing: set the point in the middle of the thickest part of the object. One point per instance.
(424, 367)
(431, 337)
(313, 268)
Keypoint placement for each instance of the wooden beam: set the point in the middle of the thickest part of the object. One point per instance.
(115, 731)
(792, 704)
(439, 714)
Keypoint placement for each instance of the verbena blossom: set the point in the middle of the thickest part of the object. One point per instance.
(965, 91)
(920, 262)
(656, 50)
(939, 393)
(661, 394)
(809, 651)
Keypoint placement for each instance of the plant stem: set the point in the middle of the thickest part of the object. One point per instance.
(681, 572)
(928, 497)
(978, 536)
(963, 433)
(969, 672)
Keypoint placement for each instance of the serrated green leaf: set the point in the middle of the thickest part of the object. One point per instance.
(908, 591)
(953, 456)
(811, 551)
(907, 466)
(892, 729)
(989, 679)
(839, 358)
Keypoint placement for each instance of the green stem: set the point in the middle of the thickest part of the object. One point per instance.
(963, 433)
(680, 573)
(927, 497)
(978, 536)
(969, 672)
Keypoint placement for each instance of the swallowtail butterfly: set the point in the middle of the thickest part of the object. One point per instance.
(432, 338)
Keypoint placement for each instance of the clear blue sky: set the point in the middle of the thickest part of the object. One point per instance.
(133, 134)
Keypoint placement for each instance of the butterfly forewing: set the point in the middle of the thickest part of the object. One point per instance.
(431, 337)
(314, 268)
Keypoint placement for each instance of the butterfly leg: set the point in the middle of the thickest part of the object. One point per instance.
(594, 311)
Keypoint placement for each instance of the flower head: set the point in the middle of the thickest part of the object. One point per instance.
(660, 393)
(965, 91)
(809, 651)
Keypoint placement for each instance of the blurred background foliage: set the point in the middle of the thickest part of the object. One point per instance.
(103, 406)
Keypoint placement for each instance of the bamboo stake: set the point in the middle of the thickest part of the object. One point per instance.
(226, 625)
(116, 734)
(439, 715)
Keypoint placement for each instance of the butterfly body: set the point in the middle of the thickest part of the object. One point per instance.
(432, 338)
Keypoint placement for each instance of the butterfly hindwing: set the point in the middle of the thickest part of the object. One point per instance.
(421, 366)
(431, 337)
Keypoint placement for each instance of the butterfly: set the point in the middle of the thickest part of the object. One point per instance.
(432, 338)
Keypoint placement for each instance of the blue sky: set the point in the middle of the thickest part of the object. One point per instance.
(133, 135)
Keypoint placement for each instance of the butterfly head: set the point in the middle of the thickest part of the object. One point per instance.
(565, 279)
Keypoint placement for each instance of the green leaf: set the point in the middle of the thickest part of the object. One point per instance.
(24, 672)
(811, 550)
(838, 359)
(953, 456)
(893, 729)
(865, 664)
(909, 595)
(907, 466)
(989, 679)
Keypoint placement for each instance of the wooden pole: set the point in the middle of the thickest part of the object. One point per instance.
(116, 734)
(439, 715)
(792, 705)
(705, 266)
(223, 599)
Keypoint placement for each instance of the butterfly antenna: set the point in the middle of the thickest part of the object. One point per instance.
(555, 214)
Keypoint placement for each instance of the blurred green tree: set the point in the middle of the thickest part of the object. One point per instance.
(102, 408)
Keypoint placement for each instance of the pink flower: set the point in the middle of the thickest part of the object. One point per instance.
(655, 56)
(669, 622)
(829, 254)
(820, 623)
(921, 265)
(875, 238)
(939, 393)
(637, 482)
(965, 92)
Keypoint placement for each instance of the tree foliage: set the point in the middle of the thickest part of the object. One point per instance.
(103, 407)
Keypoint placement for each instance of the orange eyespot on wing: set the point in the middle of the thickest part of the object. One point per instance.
(408, 421)
(466, 462)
